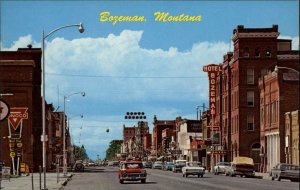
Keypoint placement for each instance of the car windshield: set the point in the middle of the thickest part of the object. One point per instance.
(158, 163)
(169, 163)
(134, 165)
(181, 162)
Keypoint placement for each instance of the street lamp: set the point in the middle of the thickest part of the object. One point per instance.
(64, 131)
(81, 30)
(73, 155)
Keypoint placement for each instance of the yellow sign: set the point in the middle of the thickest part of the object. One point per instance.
(12, 154)
(19, 145)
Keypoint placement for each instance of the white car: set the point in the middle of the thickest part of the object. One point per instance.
(193, 168)
(221, 168)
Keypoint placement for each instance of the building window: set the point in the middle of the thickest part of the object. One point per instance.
(250, 98)
(250, 122)
(268, 52)
(246, 52)
(257, 52)
(250, 76)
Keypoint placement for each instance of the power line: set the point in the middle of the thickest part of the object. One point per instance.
(125, 77)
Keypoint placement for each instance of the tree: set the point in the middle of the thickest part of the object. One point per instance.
(80, 153)
(113, 149)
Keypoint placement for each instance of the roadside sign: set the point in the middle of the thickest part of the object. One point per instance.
(4, 110)
(19, 145)
(12, 154)
(16, 116)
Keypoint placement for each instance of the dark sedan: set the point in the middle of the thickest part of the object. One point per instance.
(285, 171)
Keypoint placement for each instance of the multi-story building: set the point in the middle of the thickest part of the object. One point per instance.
(141, 131)
(278, 90)
(256, 51)
(20, 133)
(157, 139)
(189, 131)
(128, 140)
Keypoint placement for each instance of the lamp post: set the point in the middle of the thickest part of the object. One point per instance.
(73, 155)
(81, 30)
(64, 132)
(288, 68)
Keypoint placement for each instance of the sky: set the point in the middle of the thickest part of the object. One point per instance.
(151, 67)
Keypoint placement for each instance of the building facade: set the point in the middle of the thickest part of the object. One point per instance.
(256, 52)
(278, 90)
(21, 132)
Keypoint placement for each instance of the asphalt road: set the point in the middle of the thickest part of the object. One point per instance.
(106, 178)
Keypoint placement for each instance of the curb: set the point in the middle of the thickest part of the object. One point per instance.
(67, 180)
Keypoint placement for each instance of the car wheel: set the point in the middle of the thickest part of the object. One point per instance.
(186, 175)
(279, 178)
(201, 175)
(198, 175)
(272, 178)
(143, 181)
(183, 175)
(121, 181)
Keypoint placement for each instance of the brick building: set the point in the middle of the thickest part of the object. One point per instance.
(278, 90)
(256, 51)
(128, 139)
(21, 76)
(157, 139)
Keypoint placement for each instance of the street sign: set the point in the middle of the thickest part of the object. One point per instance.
(4, 110)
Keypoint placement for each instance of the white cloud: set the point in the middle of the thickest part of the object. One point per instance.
(117, 69)
(22, 42)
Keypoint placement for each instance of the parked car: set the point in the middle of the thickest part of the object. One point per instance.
(178, 165)
(242, 166)
(285, 171)
(78, 166)
(132, 171)
(158, 165)
(168, 166)
(221, 168)
(147, 164)
(193, 168)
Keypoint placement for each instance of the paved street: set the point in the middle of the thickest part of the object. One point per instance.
(106, 178)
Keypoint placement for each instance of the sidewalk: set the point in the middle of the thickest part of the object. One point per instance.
(263, 175)
(25, 182)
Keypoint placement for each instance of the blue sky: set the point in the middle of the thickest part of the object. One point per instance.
(150, 66)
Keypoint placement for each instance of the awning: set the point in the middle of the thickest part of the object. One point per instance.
(159, 158)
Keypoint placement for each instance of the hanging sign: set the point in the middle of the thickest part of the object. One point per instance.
(213, 70)
(16, 116)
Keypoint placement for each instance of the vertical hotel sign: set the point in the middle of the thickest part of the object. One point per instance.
(212, 70)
